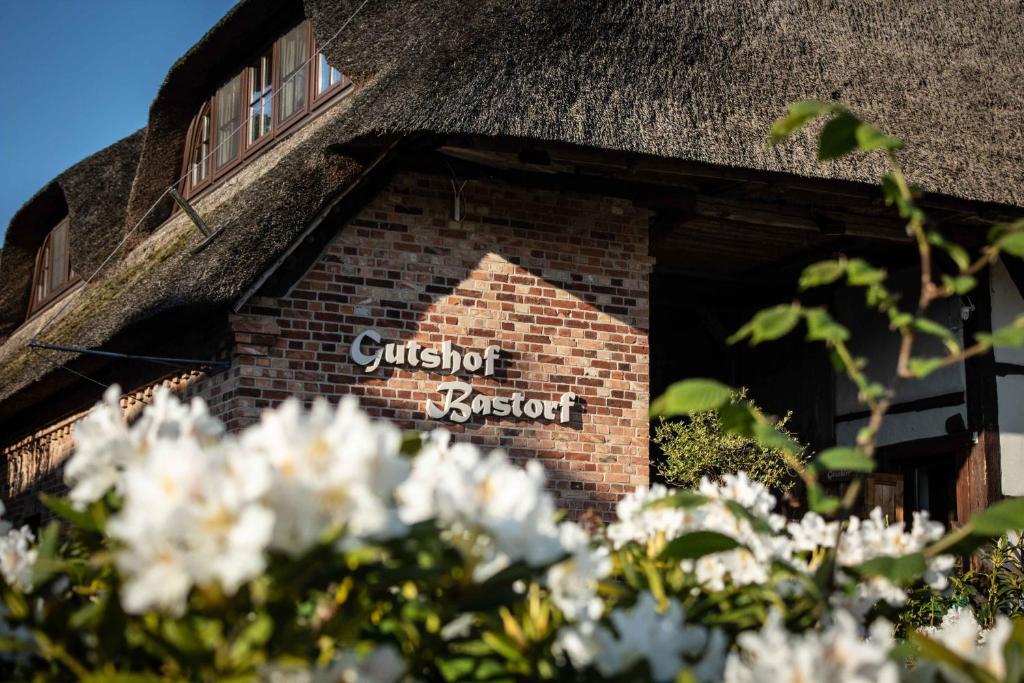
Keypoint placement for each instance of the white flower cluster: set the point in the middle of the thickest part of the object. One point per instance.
(496, 512)
(961, 633)
(766, 537)
(643, 633)
(837, 654)
(330, 470)
(642, 520)
(573, 582)
(201, 508)
(17, 554)
(866, 539)
(105, 445)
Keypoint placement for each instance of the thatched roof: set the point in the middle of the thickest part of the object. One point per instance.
(693, 81)
(92, 194)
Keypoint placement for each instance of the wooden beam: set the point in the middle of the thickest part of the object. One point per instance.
(979, 481)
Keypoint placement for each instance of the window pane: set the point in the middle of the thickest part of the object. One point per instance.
(260, 98)
(293, 51)
(58, 257)
(229, 121)
(43, 276)
(201, 151)
(326, 76)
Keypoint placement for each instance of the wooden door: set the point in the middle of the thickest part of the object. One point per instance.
(885, 490)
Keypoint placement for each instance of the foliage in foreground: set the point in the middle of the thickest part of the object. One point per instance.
(699, 447)
(319, 545)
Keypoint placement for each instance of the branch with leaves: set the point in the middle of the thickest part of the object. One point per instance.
(844, 133)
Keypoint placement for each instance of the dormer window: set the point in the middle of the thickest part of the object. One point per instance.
(281, 86)
(53, 274)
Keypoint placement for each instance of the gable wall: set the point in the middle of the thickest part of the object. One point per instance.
(558, 281)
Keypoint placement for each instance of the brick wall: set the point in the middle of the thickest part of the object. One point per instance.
(559, 281)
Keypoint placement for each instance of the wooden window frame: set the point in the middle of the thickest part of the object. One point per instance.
(281, 125)
(332, 90)
(278, 129)
(242, 132)
(189, 188)
(71, 279)
(250, 148)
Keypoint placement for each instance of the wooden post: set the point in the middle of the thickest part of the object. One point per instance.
(978, 483)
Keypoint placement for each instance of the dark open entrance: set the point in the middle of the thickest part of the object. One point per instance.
(736, 249)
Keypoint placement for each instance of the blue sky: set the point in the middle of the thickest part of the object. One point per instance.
(79, 75)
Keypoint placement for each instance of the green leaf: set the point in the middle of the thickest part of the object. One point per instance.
(180, 635)
(503, 646)
(901, 569)
(799, 114)
(680, 499)
(737, 418)
(870, 138)
(838, 138)
(899, 319)
(997, 519)
(1011, 335)
(893, 195)
(62, 507)
(928, 326)
(934, 651)
(691, 396)
(961, 284)
(822, 273)
(768, 324)
(1013, 244)
(822, 327)
(845, 459)
(758, 524)
(697, 544)
(821, 503)
(860, 273)
(770, 437)
(959, 255)
(922, 367)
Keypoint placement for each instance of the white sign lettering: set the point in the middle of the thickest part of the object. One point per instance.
(459, 402)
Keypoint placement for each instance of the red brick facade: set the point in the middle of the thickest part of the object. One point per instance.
(559, 281)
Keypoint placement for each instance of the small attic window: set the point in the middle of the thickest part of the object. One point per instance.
(52, 275)
(282, 85)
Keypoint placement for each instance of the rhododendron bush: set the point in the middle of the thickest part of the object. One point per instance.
(320, 545)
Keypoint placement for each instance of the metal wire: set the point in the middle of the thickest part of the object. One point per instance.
(62, 366)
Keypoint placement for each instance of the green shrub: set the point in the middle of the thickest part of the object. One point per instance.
(699, 446)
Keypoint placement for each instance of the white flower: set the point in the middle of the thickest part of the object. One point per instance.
(105, 445)
(102, 449)
(752, 495)
(837, 654)
(642, 520)
(665, 641)
(866, 539)
(193, 515)
(961, 633)
(496, 512)
(573, 581)
(18, 557)
(813, 532)
(331, 470)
